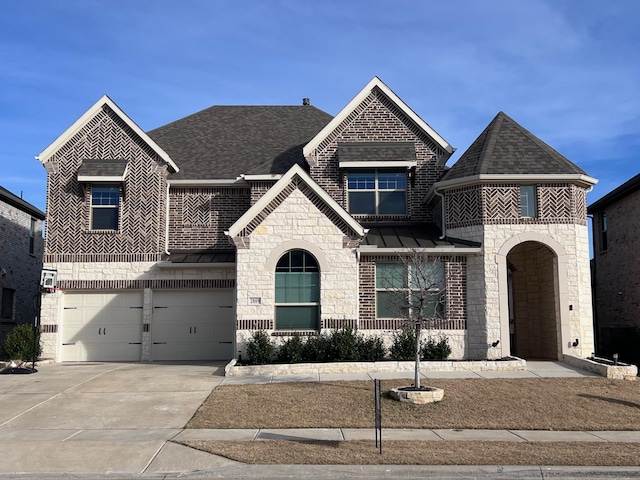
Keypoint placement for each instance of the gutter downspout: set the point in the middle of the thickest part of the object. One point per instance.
(166, 233)
(444, 218)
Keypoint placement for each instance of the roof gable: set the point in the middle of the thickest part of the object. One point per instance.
(296, 177)
(506, 148)
(339, 122)
(68, 134)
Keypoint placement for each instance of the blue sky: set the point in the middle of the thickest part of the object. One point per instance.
(567, 70)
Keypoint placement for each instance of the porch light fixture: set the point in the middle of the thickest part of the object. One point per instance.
(575, 344)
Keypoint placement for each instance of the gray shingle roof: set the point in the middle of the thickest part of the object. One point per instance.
(7, 197)
(102, 168)
(376, 151)
(505, 147)
(627, 188)
(223, 142)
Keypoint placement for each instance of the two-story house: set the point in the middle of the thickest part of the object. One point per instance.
(21, 247)
(616, 267)
(180, 242)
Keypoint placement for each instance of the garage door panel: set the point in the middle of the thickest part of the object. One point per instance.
(193, 325)
(102, 326)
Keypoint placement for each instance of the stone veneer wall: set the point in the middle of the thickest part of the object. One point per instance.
(376, 119)
(20, 269)
(95, 277)
(486, 298)
(296, 223)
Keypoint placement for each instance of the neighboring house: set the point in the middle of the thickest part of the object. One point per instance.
(21, 247)
(616, 269)
(179, 243)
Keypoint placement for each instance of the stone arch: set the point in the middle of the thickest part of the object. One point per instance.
(558, 259)
(313, 249)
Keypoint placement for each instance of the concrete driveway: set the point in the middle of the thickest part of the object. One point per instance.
(103, 417)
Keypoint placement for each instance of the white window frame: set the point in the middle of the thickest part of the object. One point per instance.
(108, 206)
(376, 190)
(528, 203)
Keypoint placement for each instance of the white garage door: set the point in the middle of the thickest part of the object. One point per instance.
(192, 325)
(102, 327)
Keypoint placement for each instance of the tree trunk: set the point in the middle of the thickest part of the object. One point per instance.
(416, 382)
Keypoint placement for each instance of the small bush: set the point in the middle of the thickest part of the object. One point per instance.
(404, 345)
(260, 349)
(317, 348)
(20, 343)
(439, 350)
(344, 345)
(371, 349)
(291, 350)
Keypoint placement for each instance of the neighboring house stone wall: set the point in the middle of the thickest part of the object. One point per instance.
(616, 272)
(198, 217)
(141, 235)
(378, 120)
(19, 269)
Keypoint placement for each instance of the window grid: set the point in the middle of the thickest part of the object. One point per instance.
(297, 291)
(377, 192)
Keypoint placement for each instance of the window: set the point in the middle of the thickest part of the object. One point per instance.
(32, 237)
(105, 203)
(527, 201)
(603, 233)
(402, 289)
(297, 291)
(6, 308)
(377, 192)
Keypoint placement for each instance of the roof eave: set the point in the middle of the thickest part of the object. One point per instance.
(579, 179)
(616, 194)
(448, 250)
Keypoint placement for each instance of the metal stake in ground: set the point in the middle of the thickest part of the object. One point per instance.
(377, 392)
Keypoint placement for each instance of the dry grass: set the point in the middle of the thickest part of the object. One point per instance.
(426, 453)
(524, 404)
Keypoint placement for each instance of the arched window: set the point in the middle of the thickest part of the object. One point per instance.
(297, 291)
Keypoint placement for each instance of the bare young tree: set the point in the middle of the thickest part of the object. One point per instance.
(412, 288)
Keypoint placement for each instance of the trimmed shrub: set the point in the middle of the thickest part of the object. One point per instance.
(317, 348)
(344, 345)
(439, 350)
(404, 345)
(371, 349)
(20, 343)
(291, 350)
(260, 349)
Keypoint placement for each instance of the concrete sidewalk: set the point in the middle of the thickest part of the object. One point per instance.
(348, 434)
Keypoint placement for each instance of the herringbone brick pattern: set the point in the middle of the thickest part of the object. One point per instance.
(142, 198)
(463, 207)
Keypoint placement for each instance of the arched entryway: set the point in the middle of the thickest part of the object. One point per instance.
(533, 301)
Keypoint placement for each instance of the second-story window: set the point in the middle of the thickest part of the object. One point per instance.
(105, 206)
(603, 233)
(32, 237)
(377, 192)
(528, 201)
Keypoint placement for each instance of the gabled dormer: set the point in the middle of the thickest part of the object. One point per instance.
(377, 158)
(508, 175)
(106, 190)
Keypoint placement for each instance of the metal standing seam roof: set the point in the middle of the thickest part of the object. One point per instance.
(203, 256)
(414, 235)
(224, 142)
(507, 148)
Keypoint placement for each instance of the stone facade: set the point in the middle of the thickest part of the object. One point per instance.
(20, 265)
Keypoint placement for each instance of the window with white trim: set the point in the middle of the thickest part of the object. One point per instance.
(297, 305)
(402, 288)
(377, 192)
(527, 201)
(105, 207)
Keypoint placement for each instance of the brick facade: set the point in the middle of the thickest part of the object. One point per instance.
(616, 273)
(19, 268)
